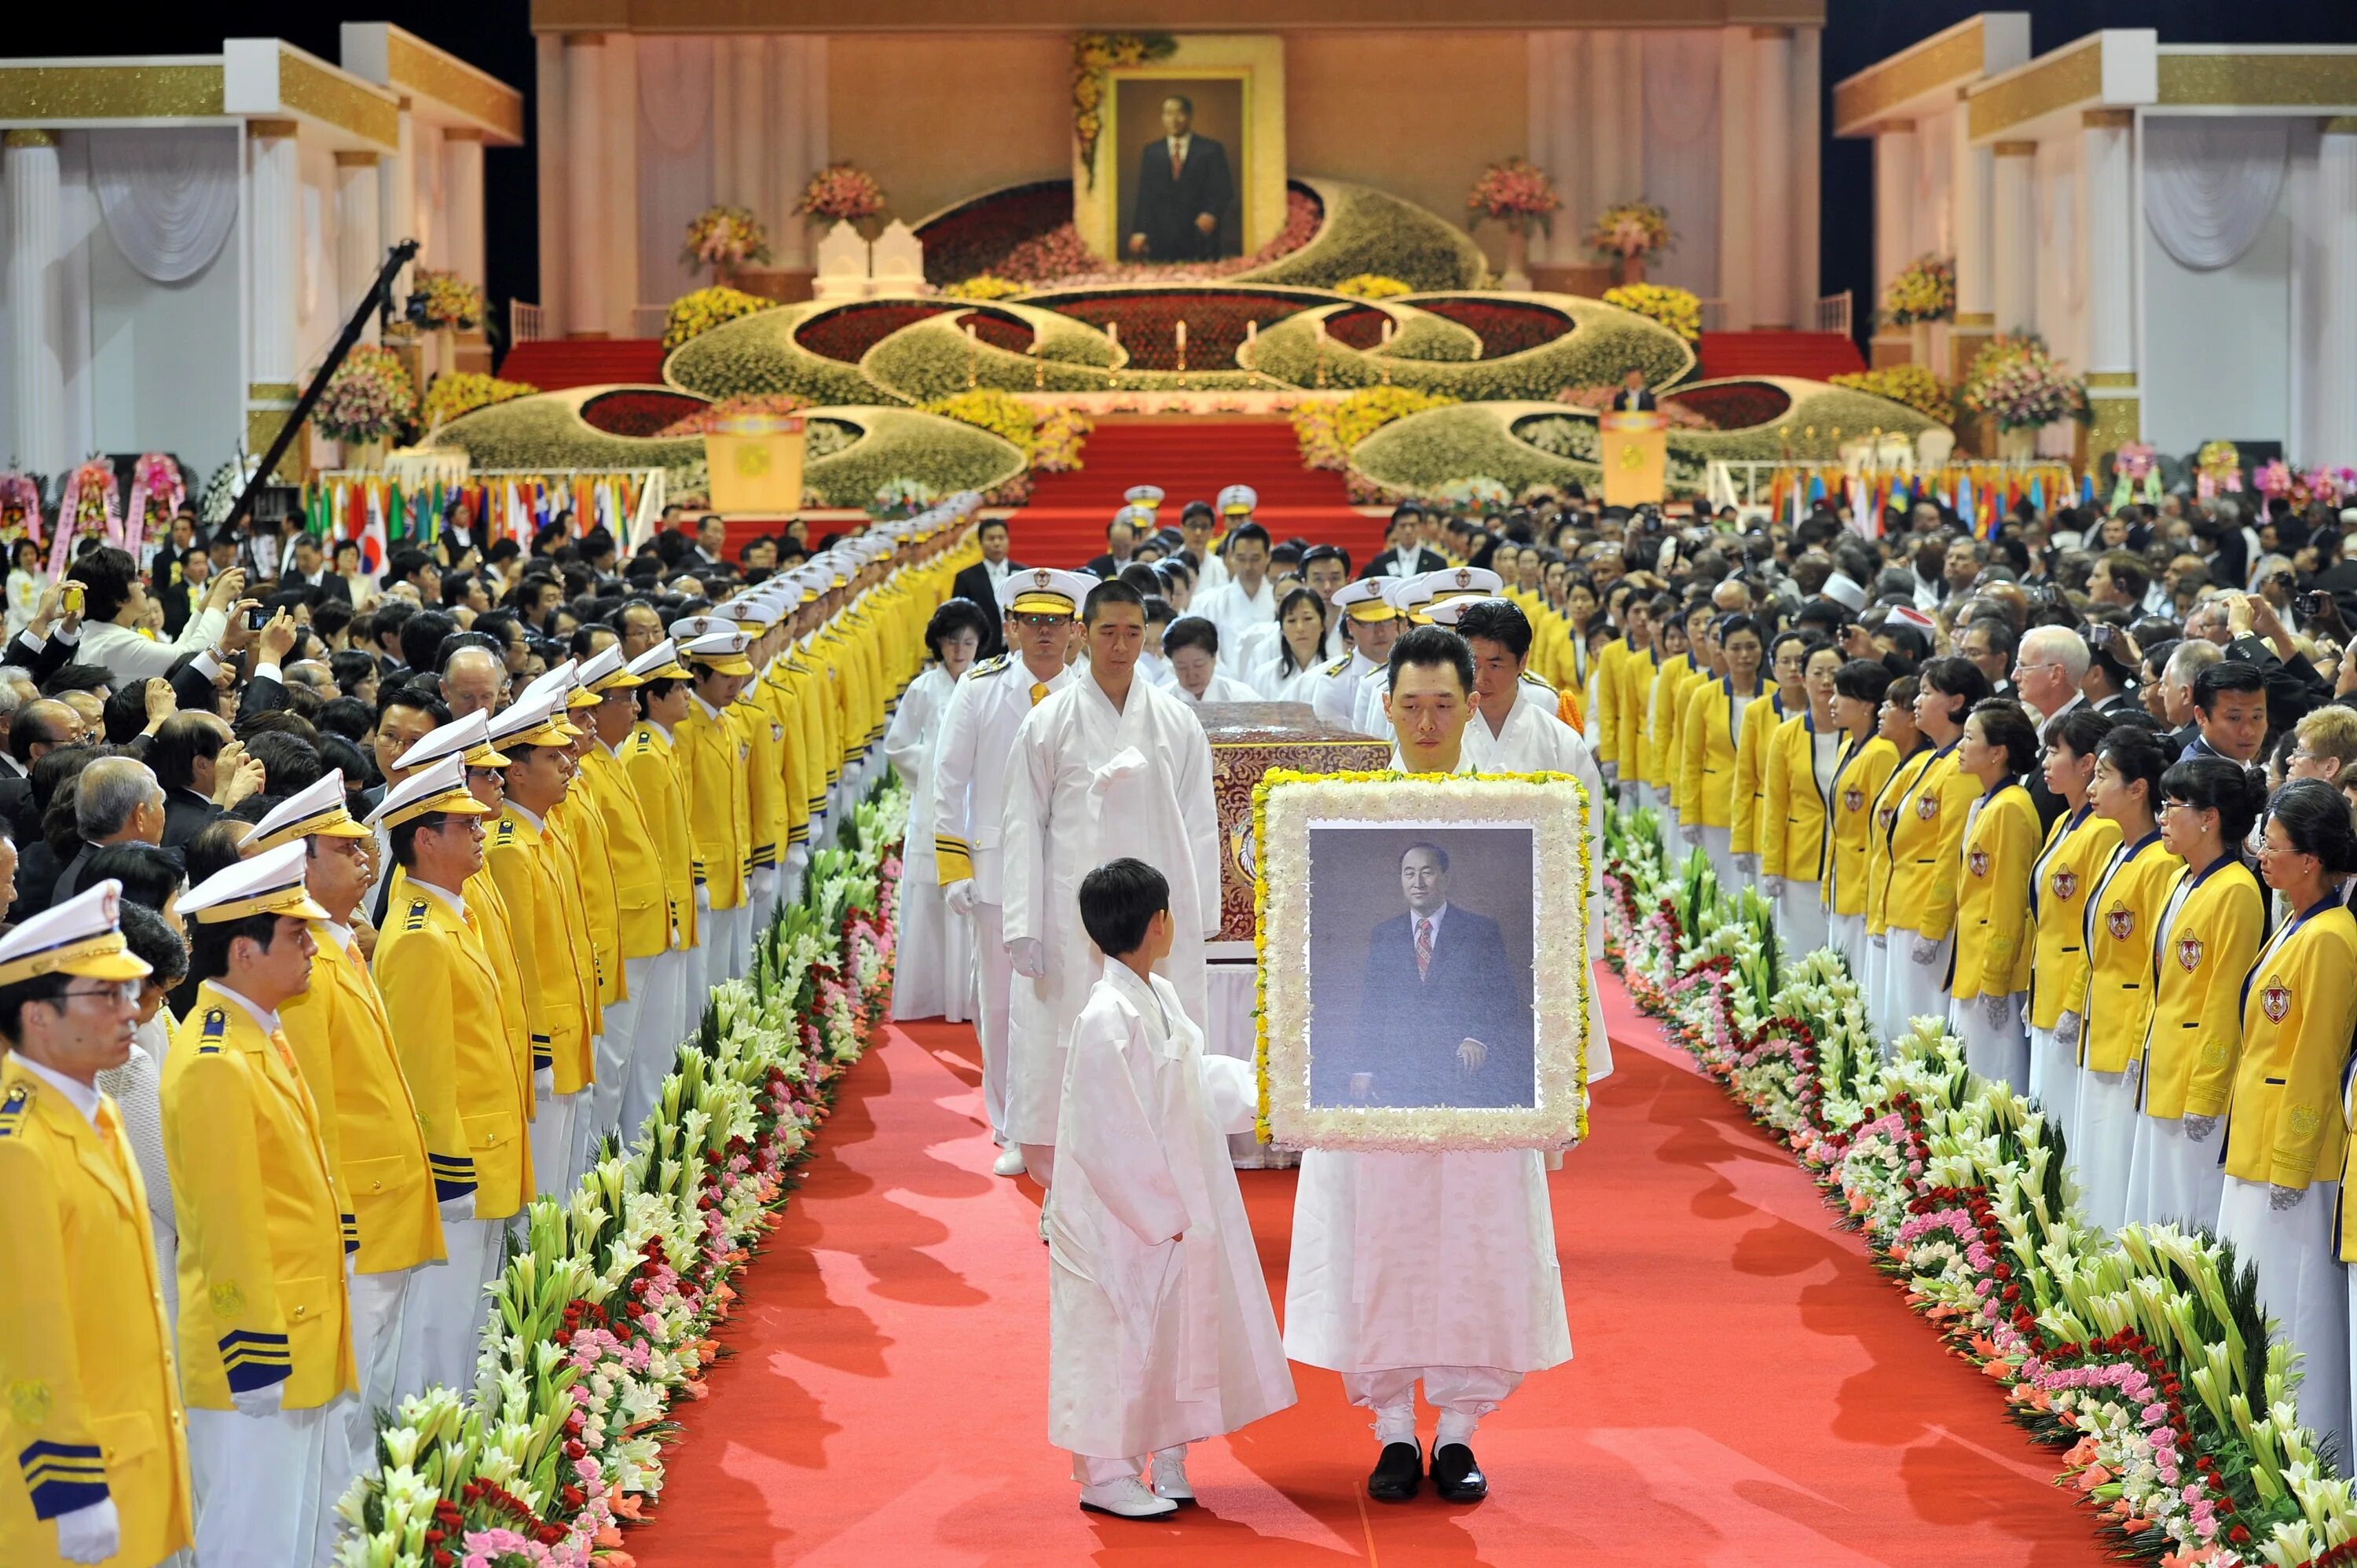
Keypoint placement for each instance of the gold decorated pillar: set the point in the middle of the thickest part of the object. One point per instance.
(36, 325)
(2107, 221)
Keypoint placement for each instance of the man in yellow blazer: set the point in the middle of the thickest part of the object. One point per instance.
(647, 759)
(442, 1001)
(94, 1428)
(650, 1001)
(394, 1228)
(719, 803)
(266, 1331)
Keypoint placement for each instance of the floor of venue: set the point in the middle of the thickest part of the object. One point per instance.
(1748, 1390)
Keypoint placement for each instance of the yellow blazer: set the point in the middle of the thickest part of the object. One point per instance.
(578, 823)
(441, 1000)
(1637, 671)
(1748, 796)
(2284, 1125)
(719, 806)
(1927, 834)
(1793, 814)
(1999, 850)
(647, 758)
(262, 1241)
(2121, 912)
(521, 861)
(636, 857)
(2203, 955)
(572, 857)
(1608, 699)
(1707, 746)
(381, 1141)
(92, 1405)
(2078, 847)
(765, 780)
(1878, 842)
(1857, 785)
(1662, 715)
(778, 694)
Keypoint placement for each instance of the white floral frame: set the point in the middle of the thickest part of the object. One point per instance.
(1554, 806)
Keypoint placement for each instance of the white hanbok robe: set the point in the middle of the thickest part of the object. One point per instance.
(933, 976)
(1085, 785)
(1219, 688)
(1235, 612)
(1425, 1260)
(1160, 1328)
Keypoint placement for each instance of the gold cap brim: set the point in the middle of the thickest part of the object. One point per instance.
(450, 803)
(726, 664)
(1030, 603)
(295, 901)
(102, 957)
(487, 755)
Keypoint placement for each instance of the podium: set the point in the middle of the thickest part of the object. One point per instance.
(1635, 450)
(756, 462)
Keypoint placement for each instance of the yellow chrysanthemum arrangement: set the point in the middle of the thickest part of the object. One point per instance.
(1914, 386)
(454, 392)
(693, 315)
(1372, 285)
(1678, 309)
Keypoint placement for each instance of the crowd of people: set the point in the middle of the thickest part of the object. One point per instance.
(345, 914)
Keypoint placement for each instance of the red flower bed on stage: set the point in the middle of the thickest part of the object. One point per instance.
(1001, 330)
(848, 333)
(1148, 322)
(1360, 328)
(1738, 405)
(1505, 327)
(1054, 255)
(976, 236)
(637, 412)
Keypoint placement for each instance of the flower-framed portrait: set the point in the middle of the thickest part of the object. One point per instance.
(1423, 951)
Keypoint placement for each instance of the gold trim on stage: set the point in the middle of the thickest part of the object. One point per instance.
(344, 101)
(1181, 16)
(273, 392)
(1954, 55)
(273, 127)
(2069, 75)
(2106, 119)
(2098, 380)
(184, 92)
(452, 82)
(29, 138)
(1967, 319)
(2341, 125)
(2269, 77)
(357, 160)
(2015, 149)
(2116, 421)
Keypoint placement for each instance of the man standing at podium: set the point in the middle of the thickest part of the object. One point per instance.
(1184, 188)
(1634, 397)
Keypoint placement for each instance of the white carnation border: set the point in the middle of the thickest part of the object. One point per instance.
(1554, 806)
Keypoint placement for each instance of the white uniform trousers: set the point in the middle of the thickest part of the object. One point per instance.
(1463, 1395)
(553, 1143)
(1719, 843)
(1872, 975)
(1800, 920)
(792, 868)
(442, 1314)
(1917, 990)
(2054, 1081)
(614, 1048)
(2101, 1136)
(995, 979)
(1093, 1472)
(1997, 1048)
(2172, 1179)
(2303, 1287)
(661, 992)
(1847, 935)
(259, 1484)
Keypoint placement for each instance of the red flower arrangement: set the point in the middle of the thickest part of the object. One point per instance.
(1504, 328)
(1149, 320)
(1738, 405)
(848, 333)
(638, 412)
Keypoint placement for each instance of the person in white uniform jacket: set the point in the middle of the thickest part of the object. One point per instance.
(1247, 600)
(1432, 1267)
(1192, 646)
(1374, 624)
(1411, 596)
(933, 972)
(1108, 762)
(986, 706)
(1159, 1329)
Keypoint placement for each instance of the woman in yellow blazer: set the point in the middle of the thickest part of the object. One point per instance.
(2122, 910)
(1705, 664)
(1803, 757)
(1896, 724)
(2078, 847)
(1624, 678)
(1990, 978)
(1709, 736)
(1673, 663)
(2286, 1148)
(1927, 834)
(1866, 763)
(2209, 931)
(1780, 697)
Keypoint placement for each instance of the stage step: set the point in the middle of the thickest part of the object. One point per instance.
(557, 363)
(1815, 356)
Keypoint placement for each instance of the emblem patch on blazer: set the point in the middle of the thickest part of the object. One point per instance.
(2189, 954)
(1978, 862)
(2120, 923)
(2277, 1000)
(2065, 883)
(1853, 800)
(1927, 806)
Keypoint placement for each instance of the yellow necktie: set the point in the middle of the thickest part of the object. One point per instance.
(1039, 690)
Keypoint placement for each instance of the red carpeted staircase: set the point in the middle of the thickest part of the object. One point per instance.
(1192, 458)
(1816, 356)
(557, 363)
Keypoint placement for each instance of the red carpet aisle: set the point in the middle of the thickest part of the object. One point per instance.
(1748, 1390)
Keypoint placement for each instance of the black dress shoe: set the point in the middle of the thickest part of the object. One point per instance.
(1397, 1474)
(1457, 1475)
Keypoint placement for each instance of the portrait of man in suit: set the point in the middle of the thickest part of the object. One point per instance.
(1181, 197)
(1444, 1011)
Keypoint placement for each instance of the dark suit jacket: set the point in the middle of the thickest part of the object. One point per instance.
(1425, 560)
(37, 878)
(1104, 568)
(975, 583)
(1410, 1027)
(53, 655)
(1641, 402)
(186, 814)
(68, 882)
(1164, 209)
(2292, 689)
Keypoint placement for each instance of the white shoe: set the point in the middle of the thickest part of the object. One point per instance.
(1126, 1499)
(1010, 1162)
(1043, 1221)
(1170, 1482)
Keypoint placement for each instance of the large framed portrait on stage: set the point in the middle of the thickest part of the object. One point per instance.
(1183, 157)
(1422, 960)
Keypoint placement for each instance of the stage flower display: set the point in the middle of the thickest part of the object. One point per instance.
(1328, 429)
(1094, 56)
(1630, 232)
(1925, 290)
(1678, 414)
(726, 238)
(984, 286)
(705, 419)
(221, 490)
(603, 1322)
(156, 492)
(1678, 309)
(1914, 386)
(443, 301)
(454, 392)
(2143, 1360)
(1516, 193)
(2218, 469)
(1372, 285)
(841, 194)
(692, 314)
(20, 508)
(369, 398)
(2017, 381)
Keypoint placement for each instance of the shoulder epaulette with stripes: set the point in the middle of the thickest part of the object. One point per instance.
(216, 1026)
(1340, 664)
(1531, 680)
(506, 831)
(415, 920)
(13, 1109)
(990, 666)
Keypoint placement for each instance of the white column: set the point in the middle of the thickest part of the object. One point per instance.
(1538, 135)
(462, 201)
(358, 250)
(1773, 231)
(724, 183)
(2013, 236)
(1968, 222)
(622, 293)
(1608, 84)
(396, 196)
(817, 86)
(790, 170)
(275, 209)
(584, 113)
(1808, 137)
(1566, 146)
(2107, 226)
(756, 86)
(2333, 419)
(548, 124)
(1894, 192)
(1735, 164)
(36, 366)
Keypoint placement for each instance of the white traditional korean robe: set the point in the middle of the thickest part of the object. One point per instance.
(933, 976)
(1425, 1260)
(1154, 1340)
(1236, 613)
(1086, 785)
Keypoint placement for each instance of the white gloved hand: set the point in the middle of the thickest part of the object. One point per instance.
(762, 882)
(1610, 772)
(1747, 864)
(1772, 887)
(703, 897)
(543, 1081)
(1029, 959)
(260, 1402)
(1996, 1009)
(959, 896)
(92, 1533)
(2280, 1197)
(1690, 832)
(459, 1207)
(2066, 1029)
(2199, 1128)
(1924, 950)
(1878, 940)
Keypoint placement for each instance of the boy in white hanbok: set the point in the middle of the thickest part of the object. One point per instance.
(1159, 1329)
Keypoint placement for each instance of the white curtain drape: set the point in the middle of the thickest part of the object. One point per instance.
(1680, 85)
(169, 197)
(2211, 183)
(674, 143)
